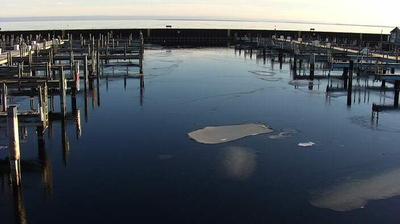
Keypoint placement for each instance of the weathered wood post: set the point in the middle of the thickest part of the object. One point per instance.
(76, 77)
(312, 66)
(4, 97)
(98, 59)
(350, 83)
(85, 72)
(63, 92)
(13, 145)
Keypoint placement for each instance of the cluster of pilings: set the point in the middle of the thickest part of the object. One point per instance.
(41, 69)
(307, 58)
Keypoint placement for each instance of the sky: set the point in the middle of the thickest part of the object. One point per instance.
(384, 12)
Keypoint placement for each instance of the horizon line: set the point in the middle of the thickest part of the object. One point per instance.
(170, 18)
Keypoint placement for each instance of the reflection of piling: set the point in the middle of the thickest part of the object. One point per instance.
(4, 97)
(396, 93)
(13, 145)
(294, 65)
(78, 128)
(350, 83)
(312, 66)
(280, 58)
(64, 141)
(19, 206)
(345, 77)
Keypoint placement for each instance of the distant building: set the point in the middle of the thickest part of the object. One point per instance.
(395, 36)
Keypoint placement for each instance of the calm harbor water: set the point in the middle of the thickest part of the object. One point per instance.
(103, 23)
(135, 163)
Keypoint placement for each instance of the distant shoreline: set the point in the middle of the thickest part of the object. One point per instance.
(100, 18)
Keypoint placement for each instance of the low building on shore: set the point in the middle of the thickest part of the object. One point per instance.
(395, 36)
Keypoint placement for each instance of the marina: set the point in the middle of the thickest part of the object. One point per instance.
(198, 124)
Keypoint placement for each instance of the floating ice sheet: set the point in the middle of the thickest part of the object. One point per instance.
(284, 134)
(300, 82)
(306, 144)
(355, 193)
(222, 134)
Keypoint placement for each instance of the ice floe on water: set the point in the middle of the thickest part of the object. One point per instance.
(391, 125)
(356, 193)
(266, 75)
(263, 73)
(223, 134)
(306, 144)
(300, 82)
(286, 133)
(337, 94)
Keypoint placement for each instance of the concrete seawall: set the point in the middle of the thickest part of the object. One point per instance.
(208, 37)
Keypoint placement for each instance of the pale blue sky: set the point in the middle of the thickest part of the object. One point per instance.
(384, 12)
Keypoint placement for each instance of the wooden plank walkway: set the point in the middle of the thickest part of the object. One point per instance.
(4, 56)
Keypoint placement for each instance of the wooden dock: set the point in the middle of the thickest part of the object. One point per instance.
(44, 68)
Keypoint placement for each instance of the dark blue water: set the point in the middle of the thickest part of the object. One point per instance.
(134, 163)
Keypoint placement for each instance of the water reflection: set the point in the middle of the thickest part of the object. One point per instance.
(238, 163)
(43, 163)
(356, 193)
(379, 91)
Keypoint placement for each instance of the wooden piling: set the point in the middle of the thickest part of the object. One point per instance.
(63, 92)
(85, 72)
(13, 145)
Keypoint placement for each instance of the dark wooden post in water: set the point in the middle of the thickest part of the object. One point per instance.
(345, 77)
(4, 97)
(396, 93)
(350, 84)
(13, 145)
(312, 66)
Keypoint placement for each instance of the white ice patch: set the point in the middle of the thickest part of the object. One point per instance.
(222, 134)
(306, 144)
